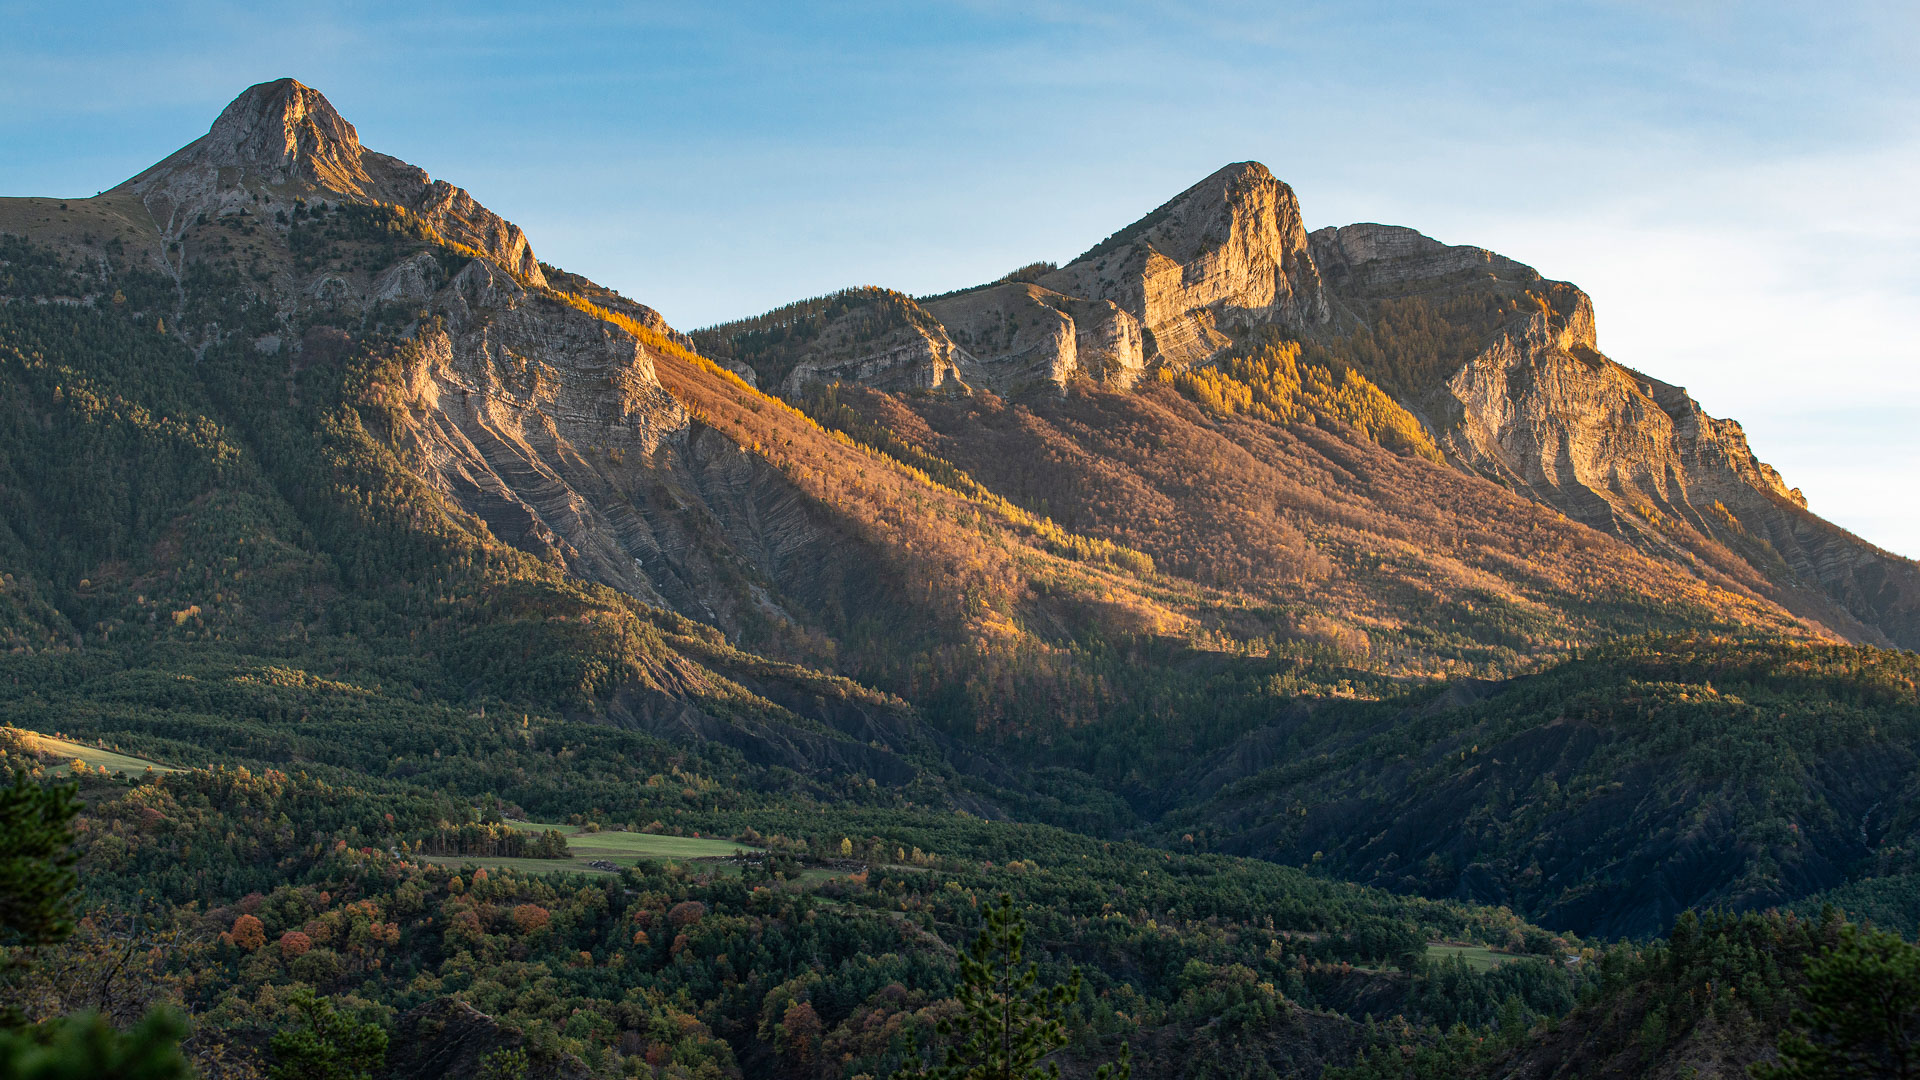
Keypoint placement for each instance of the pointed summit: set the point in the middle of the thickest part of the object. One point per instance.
(284, 139)
(280, 134)
(288, 128)
(1176, 225)
(1227, 253)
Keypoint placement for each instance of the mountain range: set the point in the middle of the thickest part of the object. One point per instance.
(1345, 549)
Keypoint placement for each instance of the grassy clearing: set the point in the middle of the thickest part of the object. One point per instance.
(1478, 957)
(619, 848)
(67, 750)
(636, 845)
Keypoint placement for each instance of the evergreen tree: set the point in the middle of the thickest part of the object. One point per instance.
(326, 1045)
(1863, 996)
(1008, 1022)
(36, 865)
(86, 1047)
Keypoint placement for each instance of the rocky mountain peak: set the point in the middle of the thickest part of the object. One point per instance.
(1227, 253)
(284, 138)
(1203, 217)
(288, 128)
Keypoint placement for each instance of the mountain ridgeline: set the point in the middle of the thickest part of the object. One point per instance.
(1257, 604)
(1413, 343)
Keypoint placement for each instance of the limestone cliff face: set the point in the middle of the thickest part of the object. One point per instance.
(908, 356)
(285, 140)
(549, 425)
(876, 337)
(1358, 258)
(1227, 254)
(1536, 406)
(1010, 338)
(553, 429)
(1020, 335)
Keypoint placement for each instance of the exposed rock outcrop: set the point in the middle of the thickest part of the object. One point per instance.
(876, 337)
(1009, 337)
(1501, 364)
(1365, 257)
(906, 356)
(284, 140)
(1227, 254)
(1536, 405)
(552, 428)
(1021, 335)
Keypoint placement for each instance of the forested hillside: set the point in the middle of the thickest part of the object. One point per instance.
(410, 560)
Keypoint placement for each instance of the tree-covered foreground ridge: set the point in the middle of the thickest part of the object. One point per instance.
(1238, 651)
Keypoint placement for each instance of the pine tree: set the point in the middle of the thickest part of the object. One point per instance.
(86, 1047)
(1008, 1022)
(1863, 1019)
(326, 1045)
(36, 863)
(36, 878)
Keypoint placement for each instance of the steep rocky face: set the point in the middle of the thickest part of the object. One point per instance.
(1499, 363)
(876, 337)
(1364, 257)
(1020, 336)
(908, 355)
(1227, 254)
(509, 400)
(1534, 405)
(554, 429)
(1010, 337)
(283, 140)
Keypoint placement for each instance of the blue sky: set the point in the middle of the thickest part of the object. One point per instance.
(1733, 183)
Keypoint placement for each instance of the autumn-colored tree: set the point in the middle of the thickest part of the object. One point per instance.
(248, 933)
(530, 918)
(800, 1030)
